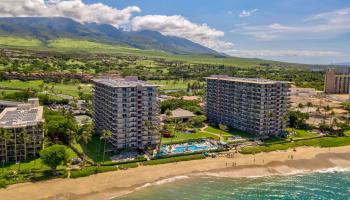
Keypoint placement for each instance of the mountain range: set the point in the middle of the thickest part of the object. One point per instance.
(46, 29)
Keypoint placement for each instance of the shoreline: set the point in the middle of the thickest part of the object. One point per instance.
(119, 183)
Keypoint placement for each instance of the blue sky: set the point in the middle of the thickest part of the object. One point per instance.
(303, 31)
(224, 15)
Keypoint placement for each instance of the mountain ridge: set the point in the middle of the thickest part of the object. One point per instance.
(50, 28)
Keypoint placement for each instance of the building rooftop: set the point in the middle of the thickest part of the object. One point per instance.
(246, 80)
(21, 116)
(10, 103)
(123, 82)
(181, 113)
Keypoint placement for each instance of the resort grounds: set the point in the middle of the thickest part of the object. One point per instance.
(121, 182)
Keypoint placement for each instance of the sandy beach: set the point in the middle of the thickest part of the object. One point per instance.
(118, 183)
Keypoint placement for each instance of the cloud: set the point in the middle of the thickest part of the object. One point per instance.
(179, 26)
(121, 18)
(247, 13)
(74, 9)
(283, 53)
(322, 25)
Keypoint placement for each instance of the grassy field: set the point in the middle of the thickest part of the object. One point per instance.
(181, 137)
(19, 42)
(318, 142)
(229, 133)
(301, 134)
(58, 88)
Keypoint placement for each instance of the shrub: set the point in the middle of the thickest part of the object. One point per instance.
(106, 169)
(174, 159)
(128, 165)
(3, 184)
(87, 171)
(110, 163)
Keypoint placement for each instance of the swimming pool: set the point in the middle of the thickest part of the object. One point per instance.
(187, 148)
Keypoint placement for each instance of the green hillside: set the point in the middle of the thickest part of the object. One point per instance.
(19, 42)
(84, 46)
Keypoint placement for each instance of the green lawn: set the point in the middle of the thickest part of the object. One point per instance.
(229, 133)
(347, 133)
(94, 150)
(300, 134)
(37, 163)
(59, 88)
(318, 142)
(181, 137)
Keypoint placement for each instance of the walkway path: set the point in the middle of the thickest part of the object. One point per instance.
(216, 134)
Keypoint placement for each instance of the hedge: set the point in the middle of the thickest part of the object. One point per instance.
(110, 163)
(175, 159)
(128, 165)
(87, 171)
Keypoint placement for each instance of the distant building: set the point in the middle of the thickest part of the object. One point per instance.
(336, 82)
(257, 106)
(304, 92)
(25, 118)
(127, 107)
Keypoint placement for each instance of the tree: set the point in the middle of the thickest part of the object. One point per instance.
(6, 136)
(223, 127)
(85, 133)
(300, 106)
(297, 119)
(25, 139)
(54, 156)
(60, 127)
(198, 120)
(106, 134)
(168, 113)
(326, 109)
(308, 105)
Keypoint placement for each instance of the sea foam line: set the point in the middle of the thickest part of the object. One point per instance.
(293, 171)
(163, 181)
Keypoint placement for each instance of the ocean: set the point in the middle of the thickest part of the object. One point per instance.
(319, 185)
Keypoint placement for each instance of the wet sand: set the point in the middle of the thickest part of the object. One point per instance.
(118, 183)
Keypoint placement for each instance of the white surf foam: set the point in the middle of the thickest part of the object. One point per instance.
(163, 181)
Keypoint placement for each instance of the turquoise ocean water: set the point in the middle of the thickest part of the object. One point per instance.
(325, 185)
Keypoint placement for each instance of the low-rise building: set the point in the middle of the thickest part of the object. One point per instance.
(21, 131)
(179, 114)
(6, 104)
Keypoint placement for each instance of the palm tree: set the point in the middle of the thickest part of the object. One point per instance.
(25, 139)
(308, 105)
(6, 136)
(86, 134)
(15, 141)
(326, 109)
(106, 134)
(300, 106)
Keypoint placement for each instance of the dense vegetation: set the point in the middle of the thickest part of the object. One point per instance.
(156, 68)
